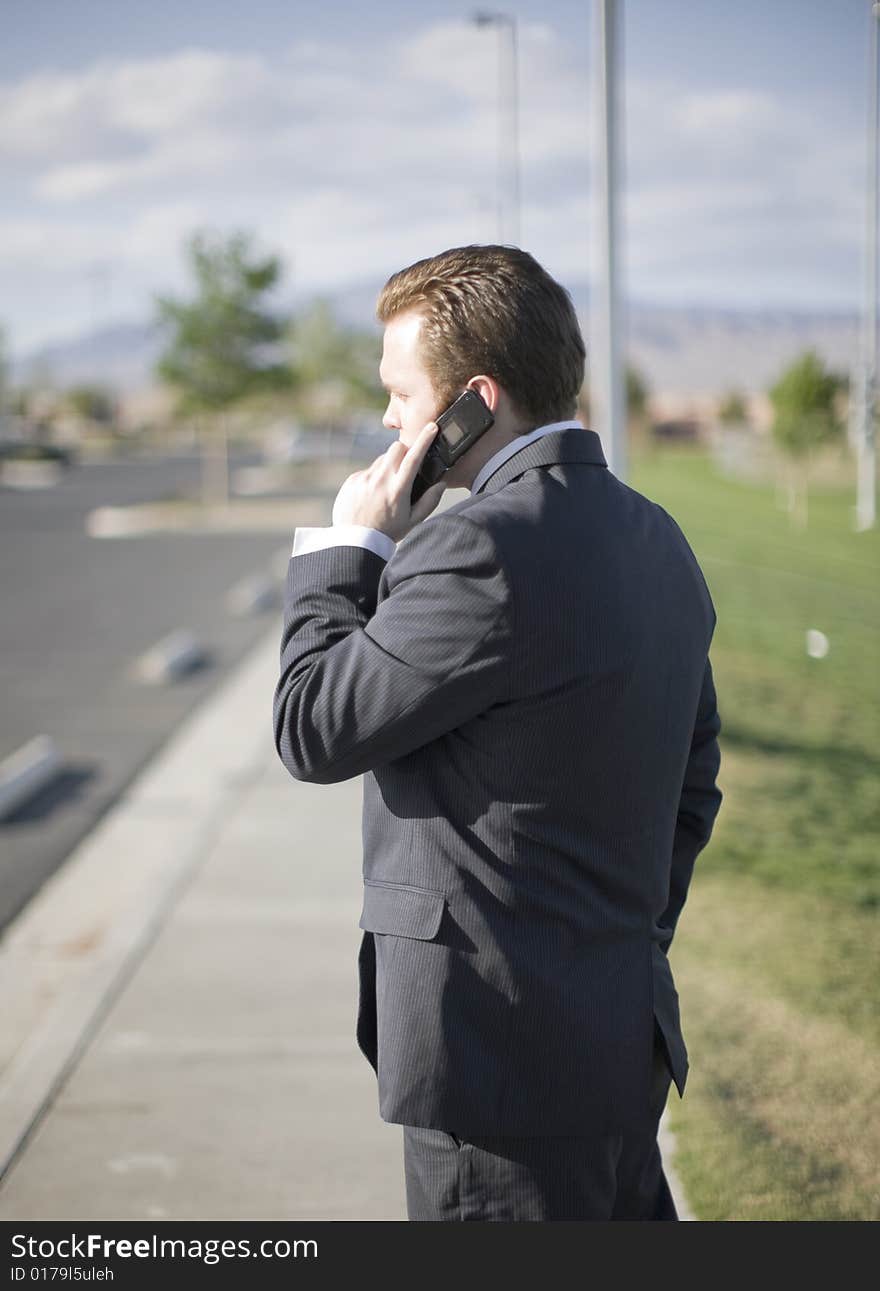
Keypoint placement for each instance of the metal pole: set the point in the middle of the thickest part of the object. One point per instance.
(507, 197)
(512, 102)
(607, 386)
(499, 175)
(866, 490)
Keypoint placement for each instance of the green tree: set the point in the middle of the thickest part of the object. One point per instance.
(733, 410)
(336, 366)
(806, 416)
(637, 410)
(636, 393)
(222, 346)
(92, 403)
(583, 409)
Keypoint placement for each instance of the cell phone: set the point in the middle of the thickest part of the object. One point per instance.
(459, 428)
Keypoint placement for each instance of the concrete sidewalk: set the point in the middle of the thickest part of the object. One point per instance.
(180, 998)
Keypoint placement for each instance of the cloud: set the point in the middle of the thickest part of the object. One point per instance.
(316, 109)
(352, 160)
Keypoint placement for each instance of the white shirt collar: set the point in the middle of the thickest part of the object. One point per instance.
(489, 468)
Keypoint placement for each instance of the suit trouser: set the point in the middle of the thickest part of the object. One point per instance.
(496, 1177)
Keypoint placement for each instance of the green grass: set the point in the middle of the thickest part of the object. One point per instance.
(777, 954)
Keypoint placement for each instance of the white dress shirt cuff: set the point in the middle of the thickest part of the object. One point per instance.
(343, 535)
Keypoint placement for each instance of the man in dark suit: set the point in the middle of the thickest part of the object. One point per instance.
(523, 680)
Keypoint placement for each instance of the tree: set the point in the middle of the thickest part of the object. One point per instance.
(583, 410)
(636, 399)
(806, 416)
(636, 393)
(92, 403)
(336, 366)
(733, 410)
(222, 347)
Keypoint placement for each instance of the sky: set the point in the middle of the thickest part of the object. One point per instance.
(353, 139)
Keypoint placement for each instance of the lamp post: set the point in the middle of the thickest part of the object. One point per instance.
(607, 386)
(866, 395)
(508, 124)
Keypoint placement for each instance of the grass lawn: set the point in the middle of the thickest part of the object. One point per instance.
(777, 952)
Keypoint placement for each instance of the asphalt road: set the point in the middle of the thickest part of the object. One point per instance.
(75, 611)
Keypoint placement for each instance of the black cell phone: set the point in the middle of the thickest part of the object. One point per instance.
(459, 428)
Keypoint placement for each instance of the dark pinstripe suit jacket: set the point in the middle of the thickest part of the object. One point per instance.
(526, 688)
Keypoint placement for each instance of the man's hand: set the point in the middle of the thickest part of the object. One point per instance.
(379, 496)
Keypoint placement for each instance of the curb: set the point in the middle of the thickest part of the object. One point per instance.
(239, 516)
(24, 474)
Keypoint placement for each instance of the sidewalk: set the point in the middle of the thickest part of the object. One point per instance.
(180, 998)
(193, 969)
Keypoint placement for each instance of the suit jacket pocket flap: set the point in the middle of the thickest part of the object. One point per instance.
(402, 910)
(667, 1014)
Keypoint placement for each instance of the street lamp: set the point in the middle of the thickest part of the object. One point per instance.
(608, 414)
(508, 123)
(866, 391)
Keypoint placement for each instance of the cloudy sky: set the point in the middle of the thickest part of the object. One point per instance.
(354, 138)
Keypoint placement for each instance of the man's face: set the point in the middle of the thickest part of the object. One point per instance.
(412, 400)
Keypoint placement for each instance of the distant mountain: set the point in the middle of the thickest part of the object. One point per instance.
(686, 350)
(697, 351)
(120, 355)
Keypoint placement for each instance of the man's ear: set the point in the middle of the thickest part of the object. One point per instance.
(488, 389)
